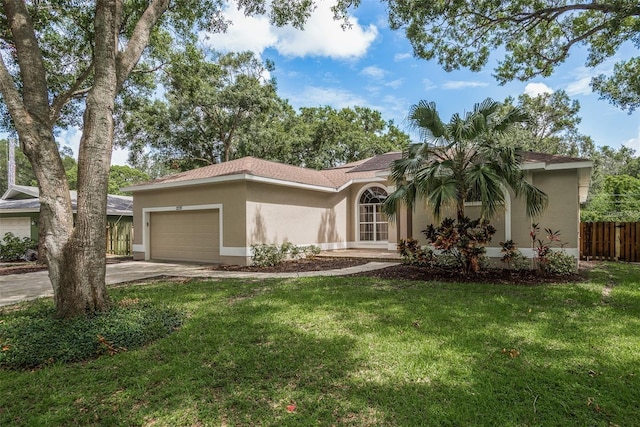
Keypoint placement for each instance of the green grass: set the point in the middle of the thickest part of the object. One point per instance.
(360, 351)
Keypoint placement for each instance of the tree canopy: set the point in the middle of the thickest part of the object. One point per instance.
(535, 36)
(552, 126)
(220, 107)
(67, 63)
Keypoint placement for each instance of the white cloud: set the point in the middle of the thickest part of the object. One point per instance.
(401, 56)
(581, 86)
(120, 156)
(428, 84)
(314, 96)
(462, 84)
(322, 35)
(374, 72)
(253, 33)
(634, 143)
(395, 84)
(535, 89)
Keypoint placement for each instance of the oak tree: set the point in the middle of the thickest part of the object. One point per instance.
(58, 59)
(535, 36)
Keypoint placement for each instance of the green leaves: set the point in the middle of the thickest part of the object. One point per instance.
(536, 36)
(462, 161)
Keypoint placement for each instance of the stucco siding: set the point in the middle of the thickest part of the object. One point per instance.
(230, 196)
(562, 214)
(277, 214)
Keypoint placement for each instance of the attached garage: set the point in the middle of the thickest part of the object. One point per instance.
(20, 226)
(191, 235)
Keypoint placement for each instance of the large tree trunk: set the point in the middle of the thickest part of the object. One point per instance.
(75, 253)
(82, 286)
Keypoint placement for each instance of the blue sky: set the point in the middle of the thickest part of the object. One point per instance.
(370, 65)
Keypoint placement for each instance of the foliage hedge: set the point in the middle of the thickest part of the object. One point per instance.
(33, 337)
(14, 248)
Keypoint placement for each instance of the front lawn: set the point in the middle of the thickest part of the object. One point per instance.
(359, 351)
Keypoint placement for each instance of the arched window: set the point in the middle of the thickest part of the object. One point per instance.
(373, 224)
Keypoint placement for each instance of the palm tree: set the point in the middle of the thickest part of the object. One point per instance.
(462, 161)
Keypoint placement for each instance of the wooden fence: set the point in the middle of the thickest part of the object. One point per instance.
(119, 238)
(614, 241)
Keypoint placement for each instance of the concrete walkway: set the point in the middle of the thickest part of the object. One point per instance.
(21, 287)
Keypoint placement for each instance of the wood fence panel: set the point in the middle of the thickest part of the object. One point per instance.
(610, 241)
(120, 238)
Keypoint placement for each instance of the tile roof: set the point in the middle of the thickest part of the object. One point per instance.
(329, 178)
(531, 157)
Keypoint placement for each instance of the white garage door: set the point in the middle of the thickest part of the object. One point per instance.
(20, 227)
(185, 236)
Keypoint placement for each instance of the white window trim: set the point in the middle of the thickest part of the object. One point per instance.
(356, 224)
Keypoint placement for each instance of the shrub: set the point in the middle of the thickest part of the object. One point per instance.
(15, 248)
(542, 247)
(514, 259)
(560, 262)
(414, 254)
(465, 240)
(312, 251)
(36, 338)
(266, 255)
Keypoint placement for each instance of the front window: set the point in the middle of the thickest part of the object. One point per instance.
(373, 222)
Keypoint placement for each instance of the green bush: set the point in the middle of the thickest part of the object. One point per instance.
(560, 262)
(464, 239)
(512, 256)
(266, 255)
(414, 254)
(35, 338)
(15, 248)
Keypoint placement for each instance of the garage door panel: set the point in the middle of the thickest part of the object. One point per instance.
(185, 236)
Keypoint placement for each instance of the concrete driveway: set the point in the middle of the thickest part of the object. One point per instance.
(21, 287)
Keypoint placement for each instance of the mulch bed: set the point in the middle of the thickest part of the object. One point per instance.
(501, 276)
(398, 272)
(306, 264)
(409, 272)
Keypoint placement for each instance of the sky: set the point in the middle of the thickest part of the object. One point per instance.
(372, 66)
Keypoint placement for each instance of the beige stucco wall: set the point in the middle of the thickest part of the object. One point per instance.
(277, 214)
(563, 212)
(231, 196)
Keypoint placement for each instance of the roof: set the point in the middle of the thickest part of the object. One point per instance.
(21, 198)
(335, 179)
(251, 168)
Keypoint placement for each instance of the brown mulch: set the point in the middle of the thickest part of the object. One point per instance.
(306, 264)
(409, 272)
(497, 275)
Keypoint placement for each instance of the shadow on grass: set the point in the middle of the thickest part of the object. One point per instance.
(355, 352)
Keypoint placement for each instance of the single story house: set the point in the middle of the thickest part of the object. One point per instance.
(20, 212)
(215, 213)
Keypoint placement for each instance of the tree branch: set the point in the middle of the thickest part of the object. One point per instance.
(32, 70)
(12, 97)
(139, 39)
(73, 92)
